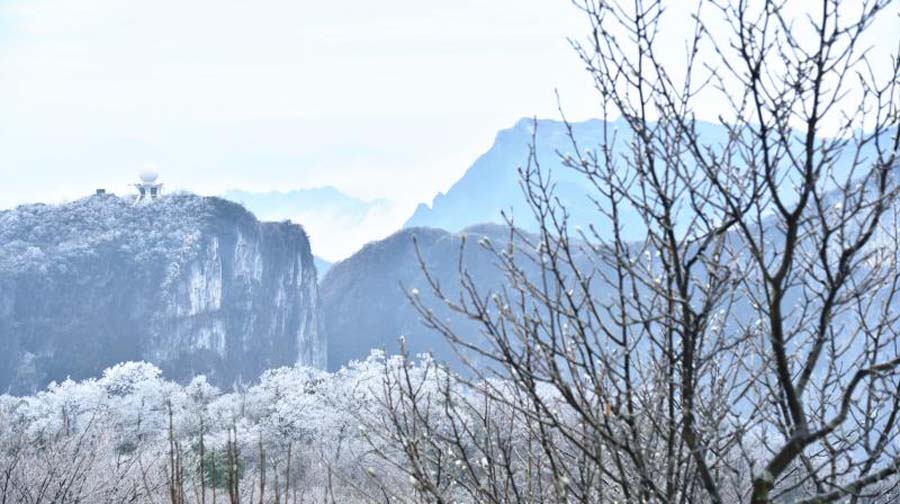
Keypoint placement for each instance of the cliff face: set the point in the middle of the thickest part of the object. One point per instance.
(194, 285)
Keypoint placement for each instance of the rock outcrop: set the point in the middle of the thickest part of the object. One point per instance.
(194, 285)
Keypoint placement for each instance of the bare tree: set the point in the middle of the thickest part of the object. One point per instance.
(727, 329)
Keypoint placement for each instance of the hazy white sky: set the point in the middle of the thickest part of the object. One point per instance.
(391, 98)
(383, 99)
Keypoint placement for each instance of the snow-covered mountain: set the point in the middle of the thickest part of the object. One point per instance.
(194, 285)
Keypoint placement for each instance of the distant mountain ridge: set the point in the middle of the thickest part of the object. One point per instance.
(269, 204)
(491, 185)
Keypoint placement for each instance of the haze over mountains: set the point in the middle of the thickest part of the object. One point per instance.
(487, 188)
(323, 211)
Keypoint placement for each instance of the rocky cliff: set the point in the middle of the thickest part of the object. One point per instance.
(194, 285)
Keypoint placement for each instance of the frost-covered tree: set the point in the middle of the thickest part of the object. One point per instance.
(727, 330)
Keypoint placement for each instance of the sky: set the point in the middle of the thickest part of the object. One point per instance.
(382, 99)
(391, 99)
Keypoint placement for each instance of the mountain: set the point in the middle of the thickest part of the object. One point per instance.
(491, 184)
(324, 210)
(364, 303)
(191, 284)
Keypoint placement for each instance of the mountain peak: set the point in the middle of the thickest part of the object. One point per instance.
(491, 185)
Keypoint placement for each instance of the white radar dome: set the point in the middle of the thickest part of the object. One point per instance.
(148, 176)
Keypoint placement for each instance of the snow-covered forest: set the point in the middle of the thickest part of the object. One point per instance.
(300, 435)
(386, 429)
